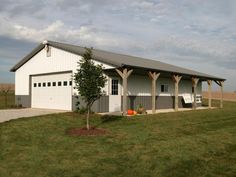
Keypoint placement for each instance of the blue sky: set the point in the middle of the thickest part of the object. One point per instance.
(197, 34)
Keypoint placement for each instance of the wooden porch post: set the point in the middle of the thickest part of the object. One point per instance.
(220, 83)
(209, 82)
(153, 76)
(176, 79)
(221, 89)
(194, 84)
(124, 75)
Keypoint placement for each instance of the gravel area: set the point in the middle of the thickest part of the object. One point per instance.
(9, 114)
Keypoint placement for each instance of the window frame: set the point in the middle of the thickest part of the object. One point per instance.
(116, 91)
(164, 88)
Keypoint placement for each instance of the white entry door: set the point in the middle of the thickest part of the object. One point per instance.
(52, 91)
(114, 96)
(114, 103)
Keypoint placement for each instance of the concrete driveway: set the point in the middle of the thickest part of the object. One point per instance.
(9, 114)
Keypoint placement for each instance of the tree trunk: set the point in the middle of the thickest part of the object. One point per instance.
(87, 119)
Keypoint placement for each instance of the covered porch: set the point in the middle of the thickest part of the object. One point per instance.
(154, 103)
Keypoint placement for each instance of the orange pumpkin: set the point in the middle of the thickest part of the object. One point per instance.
(130, 112)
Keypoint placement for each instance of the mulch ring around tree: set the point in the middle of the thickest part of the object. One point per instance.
(93, 131)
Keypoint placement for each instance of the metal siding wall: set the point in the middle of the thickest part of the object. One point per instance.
(199, 88)
(162, 102)
(139, 85)
(134, 101)
(185, 86)
(169, 82)
(104, 104)
(101, 105)
(23, 100)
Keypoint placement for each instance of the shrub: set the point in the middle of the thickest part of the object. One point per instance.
(140, 109)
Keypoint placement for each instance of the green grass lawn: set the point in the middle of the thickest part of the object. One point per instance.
(192, 143)
(10, 101)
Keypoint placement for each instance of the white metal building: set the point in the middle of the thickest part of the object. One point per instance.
(43, 79)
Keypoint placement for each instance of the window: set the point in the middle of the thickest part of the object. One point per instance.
(39, 84)
(49, 84)
(114, 86)
(44, 84)
(54, 84)
(70, 83)
(35, 84)
(59, 83)
(65, 83)
(164, 88)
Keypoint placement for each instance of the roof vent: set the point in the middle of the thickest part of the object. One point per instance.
(45, 42)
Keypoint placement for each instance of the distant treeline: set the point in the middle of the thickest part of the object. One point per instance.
(231, 96)
(7, 86)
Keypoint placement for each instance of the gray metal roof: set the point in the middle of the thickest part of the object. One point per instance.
(119, 60)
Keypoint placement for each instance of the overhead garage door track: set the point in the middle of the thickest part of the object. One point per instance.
(6, 115)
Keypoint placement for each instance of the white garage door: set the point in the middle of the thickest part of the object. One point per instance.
(53, 91)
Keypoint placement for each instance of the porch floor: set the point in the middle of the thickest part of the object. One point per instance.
(158, 111)
(173, 110)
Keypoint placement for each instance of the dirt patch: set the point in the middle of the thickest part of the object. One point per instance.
(93, 131)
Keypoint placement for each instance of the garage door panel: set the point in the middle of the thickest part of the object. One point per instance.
(52, 97)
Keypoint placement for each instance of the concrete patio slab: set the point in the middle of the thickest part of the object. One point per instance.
(158, 111)
(179, 110)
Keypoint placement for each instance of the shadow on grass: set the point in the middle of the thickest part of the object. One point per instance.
(110, 118)
(186, 168)
(99, 120)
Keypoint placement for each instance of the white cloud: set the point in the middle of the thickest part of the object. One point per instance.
(18, 31)
(143, 4)
(201, 47)
(84, 35)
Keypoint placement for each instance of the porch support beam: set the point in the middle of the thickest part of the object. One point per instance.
(176, 79)
(194, 84)
(220, 83)
(124, 74)
(209, 82)
(153, 76)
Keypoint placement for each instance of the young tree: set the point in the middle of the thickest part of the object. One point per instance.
(89, 80)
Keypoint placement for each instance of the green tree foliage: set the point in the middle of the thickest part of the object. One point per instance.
(89, 80)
